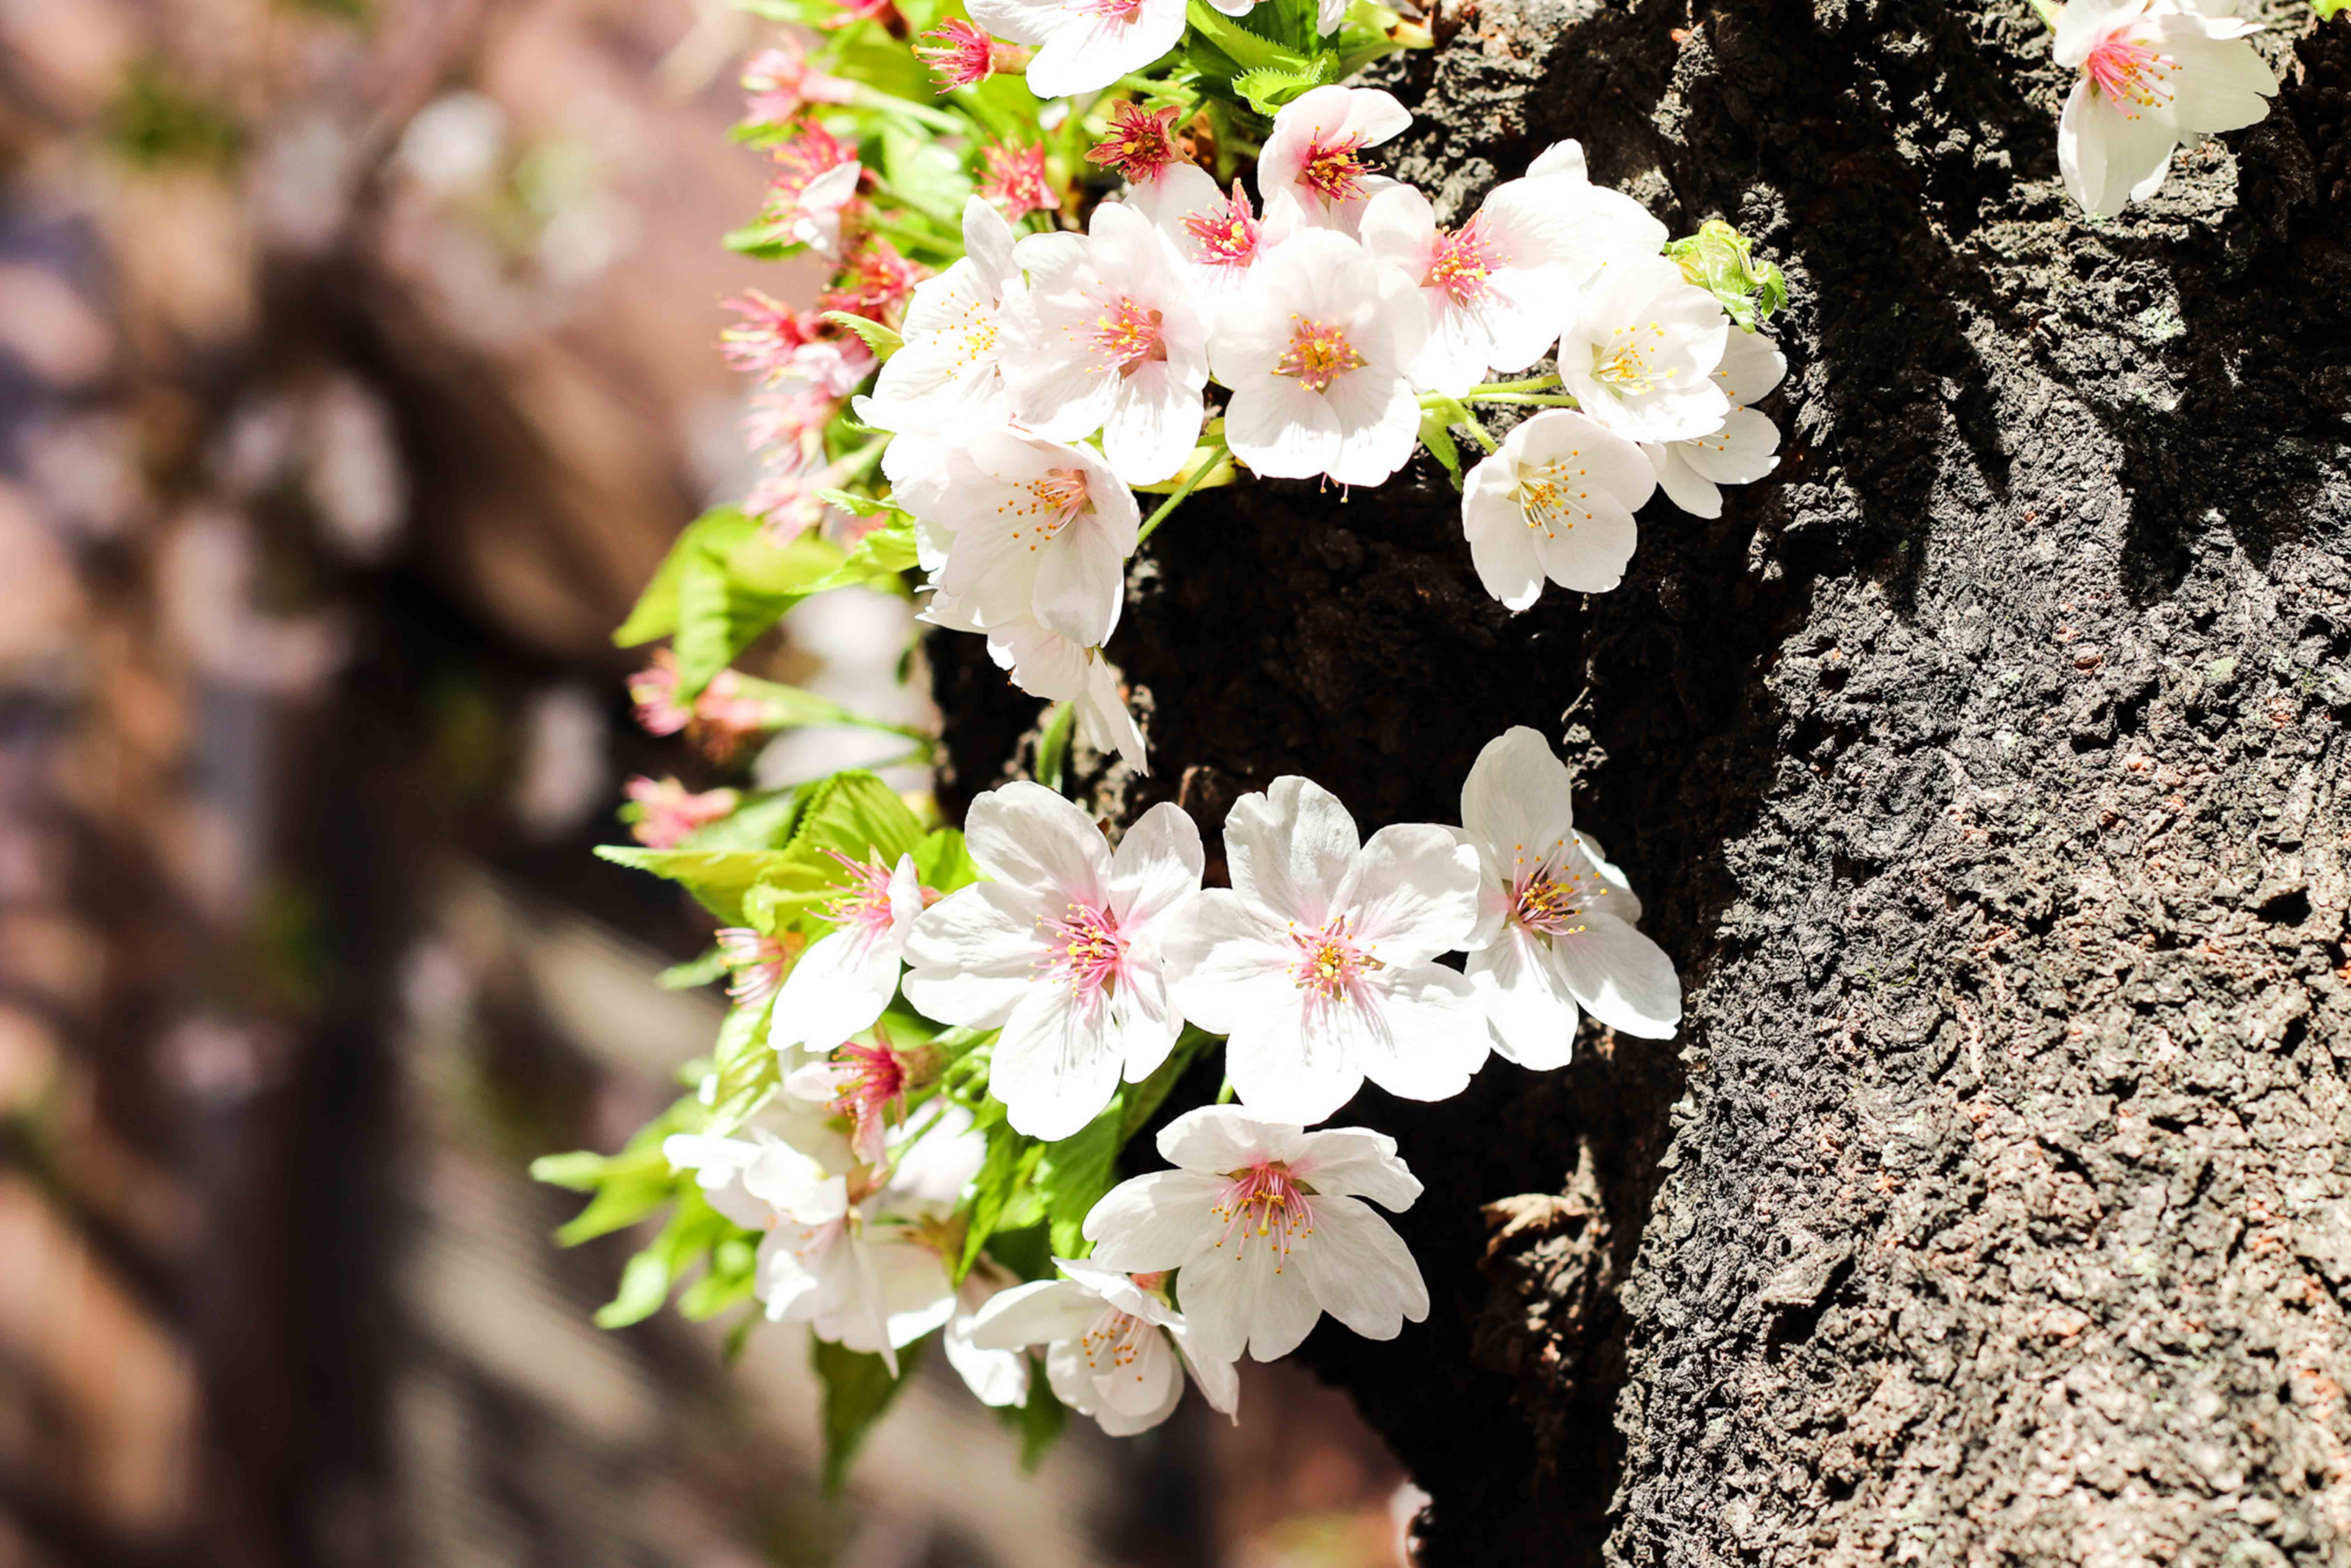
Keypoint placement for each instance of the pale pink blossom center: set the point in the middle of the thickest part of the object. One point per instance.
(1086, 950)
(759, 962)
(1318, 354)
(1114, 1343)
(1332, 170)
(1227, 233)
(1264, 1205)
(1130, 335)
(1464, 261)
(863, 905)
(1329, 962)
(1052, 499)
(2131, 74)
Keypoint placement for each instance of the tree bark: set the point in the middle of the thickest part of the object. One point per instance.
(1983, 771)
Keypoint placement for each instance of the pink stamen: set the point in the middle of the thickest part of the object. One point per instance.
(1087, 952)
(1330, 963)
(1318, 354)
(2129, 72)
(873, 1082)
(759, 962)
(1265, 1204)
(1464, 262)
(874, 282)
(1225, 234)
(1055, 497)
(960, 55)
(1130, 336)
(1549, 896)
(864, 903)
(1140, 144)
(1016, 180)
(1331, 169)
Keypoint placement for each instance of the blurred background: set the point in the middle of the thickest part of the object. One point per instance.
(356, 364)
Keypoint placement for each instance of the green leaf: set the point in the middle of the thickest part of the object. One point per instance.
(882, 340)
(925, 174)
(1245, 48)
(2329, 9)
(861, 506)
(703, 971)
(733, 588)
(788, 708)
(857, 815)
(655, 614)
(717, 878)
(1437, 437)
(1000, 1195)
(858, 1388)
(1073, 1174)
(726, 1284)
(693, 1230)
(764, 823)
(944, 860)
(1718, 258)
(1053, 745)
(1267, 87)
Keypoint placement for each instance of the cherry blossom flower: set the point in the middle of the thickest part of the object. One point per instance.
(790, 421)
(1609, 222)
(722, 719)
(848, 976)
(1268, 1226)
(1115, 1349)
(1140, 144)
(762, 344)
(1044, 664)
(1084, 44)
(864, 1084)
(1314, 156)
(1746, 447)
(1315, 350)
(959, 55)
(666, 811)
(756, 962)
(1060, 950)
(654, 690)
(816, 178)
(947, 377)
(1557, 501)
(1562, 915)
(1015, 181)
(875, 281)
(838, 1249)
(1317, 963)
(781, 82)
(1030, 527)
(1109, 339)
(1218, 236)
(1493, 286)
(787, 497)
(2154, 74)
(1639, 353)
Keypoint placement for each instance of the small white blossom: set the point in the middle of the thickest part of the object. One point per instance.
(1110, 339)
(998, 1377)
(1610, 223)
(1640, 350)
(1493, 286)
(859, 1262)
(1215, 233)
(1561, 914)
(1316, 352)
(1019, 526)
(1044, 664)
(1267, 1225)
(947, 377)
(848, 976)
(1316, 963)
(1114, 1349)
(1314, 156)
(2154, 74)
(1060, 950)
(1556, 501)
(1747, 446)
(1083, 45)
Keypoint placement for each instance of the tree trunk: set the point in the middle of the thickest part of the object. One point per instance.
(1982, 770)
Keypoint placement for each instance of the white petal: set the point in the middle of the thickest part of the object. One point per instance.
(1279, 428)
(1081, 584)
(1213, 1139)
(1289, 847)
(1361, 1271)
(1156, 866)
(1056, 1064)
(1524, 994)
(1248, 1300)
(1355, 1162)
(1025, 834)
(836, 990)
(1298, 1063)
(1411, 893)
(1038, 1314)
(974, 955)
(1518, 798)
(1622, 977)
(1157, 1221)
(1431, 1037)
(1225, 960)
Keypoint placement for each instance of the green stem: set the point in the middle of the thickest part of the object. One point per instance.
(2047, 11)
(1538, 400)
(911, 231)
(1225, 1095)
(1527, 384)
(921, 113)
(1453, 412)
(1205, 466)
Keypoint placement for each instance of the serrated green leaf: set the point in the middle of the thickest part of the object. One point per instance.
(1268, 88)
(854, 813)
(944, 860)
(717, 878)
(925, 174)
(1245, 47)
(858, 1389)
(1000, 1196)
(655, 614)
(1437, 437)
(885, 342)
(702, 971)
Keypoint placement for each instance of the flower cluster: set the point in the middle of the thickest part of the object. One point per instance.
(1043, 327)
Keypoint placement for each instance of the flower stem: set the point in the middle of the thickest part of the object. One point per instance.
(1525, 385)
(1541, 400)
(1205, 466)
(1225, 1095)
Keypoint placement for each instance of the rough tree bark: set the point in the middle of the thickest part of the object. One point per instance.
(1984, 772)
